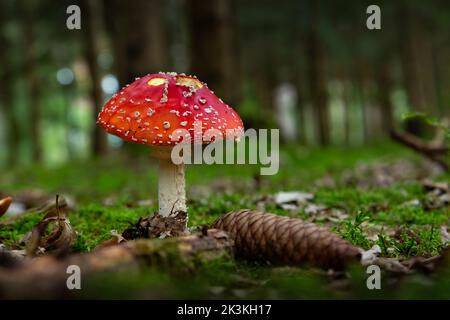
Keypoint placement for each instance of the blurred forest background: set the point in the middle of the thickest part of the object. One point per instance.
(310, 68)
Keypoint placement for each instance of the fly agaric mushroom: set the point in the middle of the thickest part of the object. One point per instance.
(151, 110)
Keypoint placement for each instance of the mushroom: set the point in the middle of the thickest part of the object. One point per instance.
(151, 109)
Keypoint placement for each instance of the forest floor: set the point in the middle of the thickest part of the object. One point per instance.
(381, 195)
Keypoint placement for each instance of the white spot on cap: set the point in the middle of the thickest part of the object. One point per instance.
(166, 124)
(183, 123)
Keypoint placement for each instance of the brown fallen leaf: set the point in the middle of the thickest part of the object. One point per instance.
(47, 208)
(60, 238)
(438, 195)
(31, 198)
(441, 187)
(377, 207)
(287, 200)
(434, 201)
(405, 266)
(11, 258)
(325, 214)
(382, 174)
(401, 232)
(116, 239)
(157, 226)
(445, 236)
(4, 205)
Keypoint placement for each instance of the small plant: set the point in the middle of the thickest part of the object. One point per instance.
(352, 230)
(432, 121)
(437, 149)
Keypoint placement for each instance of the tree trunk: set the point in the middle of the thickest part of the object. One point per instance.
(415, 63)
(384, 90)
(31, 78)
(138, 37)
(146, 50)
(371, 114)
(115, 26)
(265, 81)
(346, 100)
(301, 113)
(89, 9)
(317, 81)
(6, 99)
(442, 69)
(214, 52)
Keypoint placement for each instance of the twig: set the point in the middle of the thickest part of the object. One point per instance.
(434, 152)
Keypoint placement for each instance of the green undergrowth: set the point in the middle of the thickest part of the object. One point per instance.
(107, 192)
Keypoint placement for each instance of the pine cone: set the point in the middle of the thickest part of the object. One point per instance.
(284, 240)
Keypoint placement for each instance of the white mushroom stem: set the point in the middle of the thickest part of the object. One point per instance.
(171, 187)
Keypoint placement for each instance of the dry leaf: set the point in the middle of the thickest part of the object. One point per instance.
(368, 257)
(115, 240)
(157, 226)
(441, 187)
(445, 236)
(314, 208)
(383, 174)
(293, 197)
(60, 238)
(10, 258)
(4, 205)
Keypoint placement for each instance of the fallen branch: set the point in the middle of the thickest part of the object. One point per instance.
(47, 275)
(436, 152)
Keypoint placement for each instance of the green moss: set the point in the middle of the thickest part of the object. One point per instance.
(124, 181)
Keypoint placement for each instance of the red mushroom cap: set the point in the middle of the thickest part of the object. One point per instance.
(150, 109)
